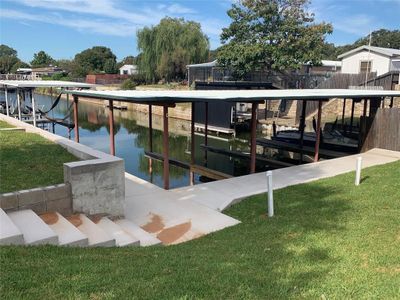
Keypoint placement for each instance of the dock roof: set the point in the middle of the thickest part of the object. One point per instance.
(12, 84)
(232, 95)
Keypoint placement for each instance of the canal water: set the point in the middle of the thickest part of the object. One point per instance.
(132, 139)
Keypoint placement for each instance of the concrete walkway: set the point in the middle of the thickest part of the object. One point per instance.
(182, 214)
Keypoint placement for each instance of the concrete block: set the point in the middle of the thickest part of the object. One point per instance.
(59, 204)
(33, 196)
(8, 201)
(59, 191)
(38, 208)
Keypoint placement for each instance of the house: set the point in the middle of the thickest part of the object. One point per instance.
(128, 70)
(366, 59)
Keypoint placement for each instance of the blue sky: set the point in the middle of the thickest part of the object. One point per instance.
(63, 28)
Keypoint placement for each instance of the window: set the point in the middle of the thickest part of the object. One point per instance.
(365, 66)
(125, 72)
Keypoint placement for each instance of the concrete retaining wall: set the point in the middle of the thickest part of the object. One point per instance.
(97, 181)
(50, 198)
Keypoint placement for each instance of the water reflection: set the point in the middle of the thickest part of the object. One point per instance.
(132, 139)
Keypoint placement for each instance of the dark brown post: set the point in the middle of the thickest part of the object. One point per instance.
(165, 147)
(192, 142)
(253, 137)
(317, 142)
(391, 102)
(352, 115)
(111, 125)
(150, 128)
(206, 131)
(344, 111)
(76, 121)
(302, 127)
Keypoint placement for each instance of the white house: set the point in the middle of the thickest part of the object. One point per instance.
(128, 70)
(370, 59)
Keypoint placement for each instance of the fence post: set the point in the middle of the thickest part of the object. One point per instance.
(358, 170)
(270, 194)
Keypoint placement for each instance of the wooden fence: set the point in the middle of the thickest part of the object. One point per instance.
(385, 130)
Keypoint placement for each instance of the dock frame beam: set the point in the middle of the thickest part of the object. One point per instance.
(253, 136)
(165, 147)
(111, 125)
(76, 121)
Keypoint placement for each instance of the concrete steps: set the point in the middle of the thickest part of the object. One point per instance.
(97, 237)
(9, 233)
(68, 234)
(121, 236)
(145, 238)
(33, 228)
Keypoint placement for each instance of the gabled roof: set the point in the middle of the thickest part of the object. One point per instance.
(384, 51)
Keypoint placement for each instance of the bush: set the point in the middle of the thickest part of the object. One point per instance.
(128, 84)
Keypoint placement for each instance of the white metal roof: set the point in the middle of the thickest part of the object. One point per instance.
(204, 65)
(232, 95)
(331, 63)
(43, 83)
(384, 51)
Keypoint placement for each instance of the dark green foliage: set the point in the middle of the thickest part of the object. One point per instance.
(9, 62)
(95, 60)
(42, 59)
(380, 38)
(271, 35)
(167, 48)
(128, 84)
(328, 240)
(27, 160)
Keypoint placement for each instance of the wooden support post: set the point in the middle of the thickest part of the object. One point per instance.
(19, 104)
(165, 147)
(317, 142)
(33, 108)
(253, 137)
(192, 142)
(76, 121)
(150, 128)
(6, 95)
(206, 131)
(391, 101)
(111, 125)
(352, 115)
(343, 112)
(302, 128)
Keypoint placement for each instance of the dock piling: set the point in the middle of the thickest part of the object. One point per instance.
(270, 195)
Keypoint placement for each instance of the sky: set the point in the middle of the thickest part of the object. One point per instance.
(63, 28)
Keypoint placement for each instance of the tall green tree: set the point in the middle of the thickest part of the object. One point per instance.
(8, 58)
(42, 59)
(167, 48)
(273, 35)
(95, 60)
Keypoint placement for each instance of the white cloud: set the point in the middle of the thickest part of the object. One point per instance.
(96, 26)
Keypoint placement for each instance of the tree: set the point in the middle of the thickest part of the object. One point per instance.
(8, 58)
(273, 35)
(42, 59)
(95, 59)
(167, 48)
(17, 65)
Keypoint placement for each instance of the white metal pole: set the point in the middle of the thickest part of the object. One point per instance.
(19, 105)
(358, 170)
(6, 94)
(270, 194)
(33, 108)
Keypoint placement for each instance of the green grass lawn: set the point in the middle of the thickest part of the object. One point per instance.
(5, 125)
(27, 160)
(328, 240)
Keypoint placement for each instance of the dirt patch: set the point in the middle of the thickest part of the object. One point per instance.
(171, 234)
(49, 218)
(75, 220)
(155, 225)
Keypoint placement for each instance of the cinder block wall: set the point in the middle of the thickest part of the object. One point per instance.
(97, 181)
(50, 198)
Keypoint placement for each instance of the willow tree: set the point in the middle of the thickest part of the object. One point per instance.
(273, 35)
(166, 49)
